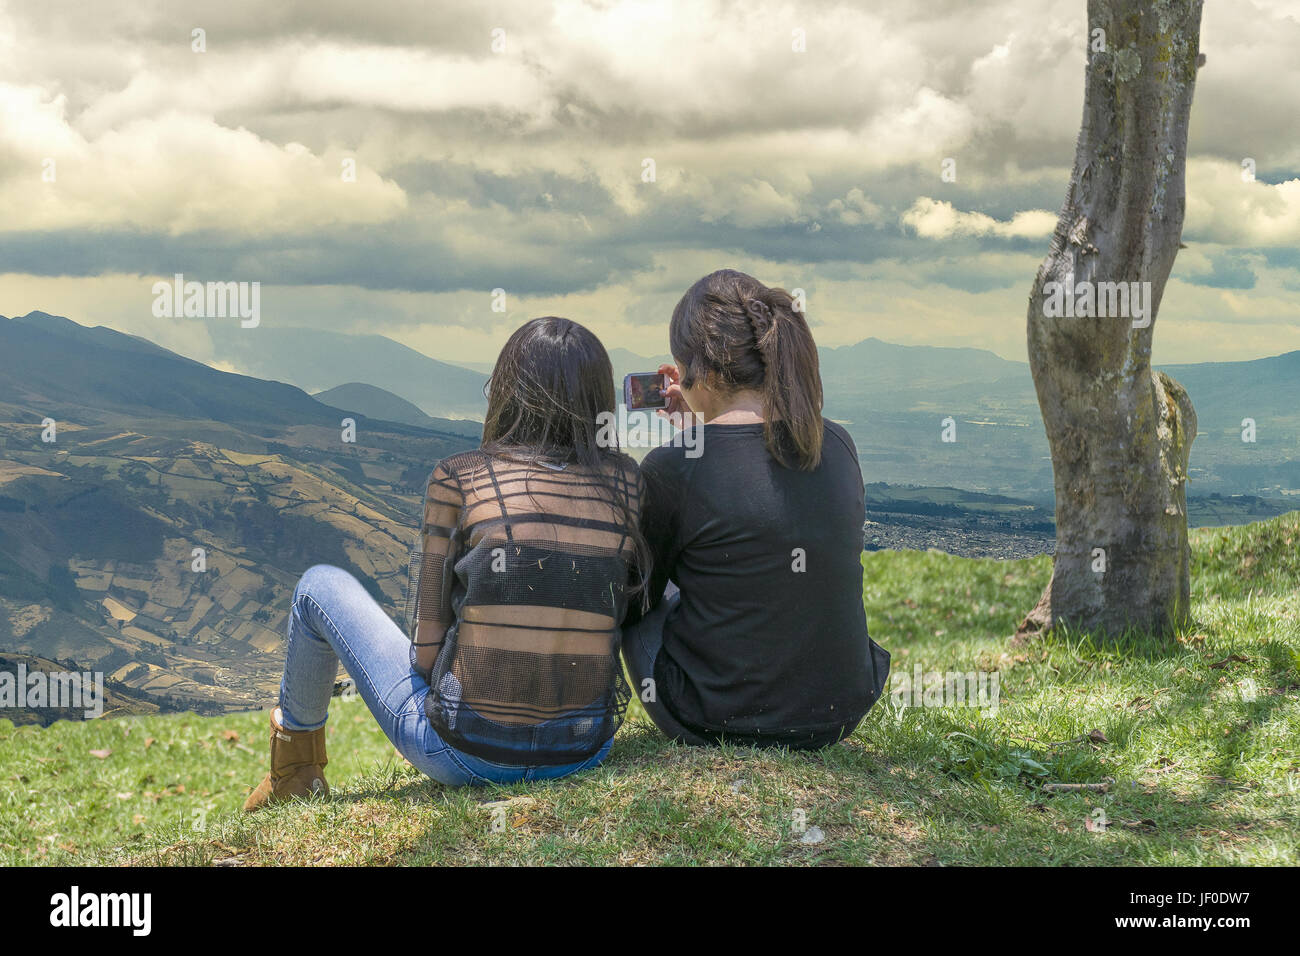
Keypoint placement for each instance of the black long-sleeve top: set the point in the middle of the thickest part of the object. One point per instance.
(769, 642)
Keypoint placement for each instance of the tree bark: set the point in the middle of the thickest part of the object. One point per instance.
(1119, 432)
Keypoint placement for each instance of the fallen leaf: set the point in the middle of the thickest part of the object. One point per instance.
(101, 754)
(1102, 787)
(1230, 659)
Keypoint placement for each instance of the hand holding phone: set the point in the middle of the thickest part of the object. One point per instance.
(660, 391)
(642, 390)
(676, 401)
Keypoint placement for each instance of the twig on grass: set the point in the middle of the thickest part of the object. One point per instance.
(1101, 787)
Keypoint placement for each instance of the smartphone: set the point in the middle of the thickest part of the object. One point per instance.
(645, 390)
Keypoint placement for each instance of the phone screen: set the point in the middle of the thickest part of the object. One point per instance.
(645, 390)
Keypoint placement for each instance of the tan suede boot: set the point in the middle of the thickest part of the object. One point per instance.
(297, 766)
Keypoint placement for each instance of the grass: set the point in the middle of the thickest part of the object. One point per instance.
(1199, 734)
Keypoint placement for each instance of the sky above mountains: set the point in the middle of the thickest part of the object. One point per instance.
(503, 145)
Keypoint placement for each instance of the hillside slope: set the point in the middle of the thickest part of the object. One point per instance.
(314, 359)
(158, 537)
(378, 403)
(62, 369)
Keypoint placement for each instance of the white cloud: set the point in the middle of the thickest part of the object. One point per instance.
(1224, 208)
(294, 74)
(922, 129)
(855, 209)
(172, 173)
(938, 219)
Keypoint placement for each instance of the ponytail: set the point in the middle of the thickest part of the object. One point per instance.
(737, 333)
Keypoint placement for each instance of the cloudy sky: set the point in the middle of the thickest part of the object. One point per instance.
(503, 144)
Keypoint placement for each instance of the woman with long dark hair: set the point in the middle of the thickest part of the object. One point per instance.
(528, 554)
(757, 633)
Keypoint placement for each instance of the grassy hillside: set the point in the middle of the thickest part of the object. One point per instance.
(1199, 735)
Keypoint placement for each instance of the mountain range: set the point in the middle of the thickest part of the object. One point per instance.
(316, 360)
(375, 402)
(893, 399)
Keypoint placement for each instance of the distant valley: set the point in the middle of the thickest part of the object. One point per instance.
(976, 525)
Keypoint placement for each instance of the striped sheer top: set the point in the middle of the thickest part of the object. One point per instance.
(517, 589)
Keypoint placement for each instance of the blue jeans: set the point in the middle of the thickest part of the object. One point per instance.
(333, 618)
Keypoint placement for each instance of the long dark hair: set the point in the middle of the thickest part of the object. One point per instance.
(552, 381)
(731, 332)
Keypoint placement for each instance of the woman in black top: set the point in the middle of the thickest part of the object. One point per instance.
(760, 637)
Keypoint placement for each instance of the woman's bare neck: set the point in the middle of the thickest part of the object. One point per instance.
(741, 408)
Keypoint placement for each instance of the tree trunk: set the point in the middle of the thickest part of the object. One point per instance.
(1119, 432)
